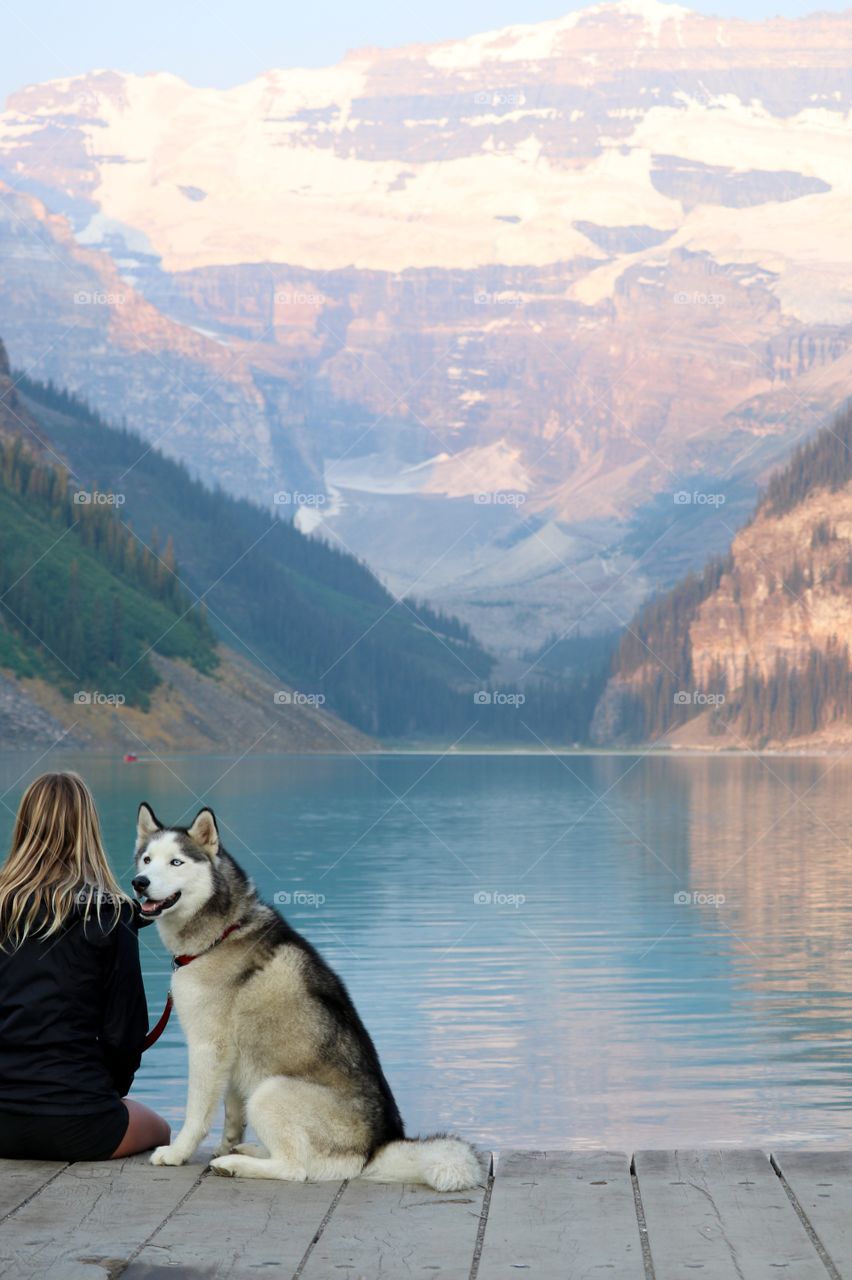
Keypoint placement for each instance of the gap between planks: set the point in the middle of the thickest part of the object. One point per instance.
(22, 1203)
(483, 1219)
(338, 1196)
(123, 1266)
(647, 1259)
(824, 1256)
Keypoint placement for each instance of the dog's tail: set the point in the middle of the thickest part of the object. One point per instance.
(443, 1162)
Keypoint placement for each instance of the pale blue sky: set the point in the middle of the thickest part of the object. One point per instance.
(226, 42)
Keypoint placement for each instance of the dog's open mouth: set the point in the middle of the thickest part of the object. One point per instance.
(156, 907)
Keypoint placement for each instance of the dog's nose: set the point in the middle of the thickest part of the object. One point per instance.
(140, 883)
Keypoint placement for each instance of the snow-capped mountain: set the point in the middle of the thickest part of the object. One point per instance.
(504, 295)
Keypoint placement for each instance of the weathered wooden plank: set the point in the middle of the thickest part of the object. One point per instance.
(723, 1214)
(821, 1181)
(382, 1231)
(90, 1218)
(234, 1227)
(557, 1215)
(20, 1179)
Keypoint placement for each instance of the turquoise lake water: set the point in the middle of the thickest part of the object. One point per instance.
(511, 931)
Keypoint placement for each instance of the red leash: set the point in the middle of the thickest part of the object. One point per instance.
(179, 961)
(155, 1032)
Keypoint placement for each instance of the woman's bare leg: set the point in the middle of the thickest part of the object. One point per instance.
(145, 1130)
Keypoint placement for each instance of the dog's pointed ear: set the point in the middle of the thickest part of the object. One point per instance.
(204, 832)
(146, 822)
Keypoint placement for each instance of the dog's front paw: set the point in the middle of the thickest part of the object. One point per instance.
(170, 1155)
(224, 1166)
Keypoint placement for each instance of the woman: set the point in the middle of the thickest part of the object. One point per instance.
(72, 1005)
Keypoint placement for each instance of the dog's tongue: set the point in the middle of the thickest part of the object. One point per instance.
(149, 906)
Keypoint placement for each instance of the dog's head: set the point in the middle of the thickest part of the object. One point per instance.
(176, 867)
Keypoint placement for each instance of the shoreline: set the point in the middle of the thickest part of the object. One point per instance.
(438, 751)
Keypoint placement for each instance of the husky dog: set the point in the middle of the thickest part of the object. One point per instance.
(273, 1030)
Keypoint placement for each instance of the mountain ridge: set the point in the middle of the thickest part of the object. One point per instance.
(632, 298)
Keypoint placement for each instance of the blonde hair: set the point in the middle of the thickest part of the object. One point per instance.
(56, 861)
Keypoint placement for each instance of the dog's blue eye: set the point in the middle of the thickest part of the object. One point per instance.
(176, 862)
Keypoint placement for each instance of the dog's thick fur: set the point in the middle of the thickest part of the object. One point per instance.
(273, 1030)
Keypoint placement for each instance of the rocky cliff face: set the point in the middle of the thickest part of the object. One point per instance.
(757, 651)
(786, 594)
(505, 296)
(68, 315)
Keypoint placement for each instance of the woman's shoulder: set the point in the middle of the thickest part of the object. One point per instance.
(101, 916)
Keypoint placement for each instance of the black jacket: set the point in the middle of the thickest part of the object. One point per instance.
(72, 1017)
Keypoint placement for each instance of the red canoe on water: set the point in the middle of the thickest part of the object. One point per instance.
(130, 758)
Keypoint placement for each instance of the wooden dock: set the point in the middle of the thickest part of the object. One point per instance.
(662, 1215)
